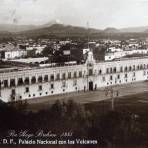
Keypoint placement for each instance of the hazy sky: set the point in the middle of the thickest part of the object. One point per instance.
(99, 13)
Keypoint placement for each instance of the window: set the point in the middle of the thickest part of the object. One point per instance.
(133, 67)
(125, 69)
(27, 81)
(144, 73)
(5, 83)
(130, 68)
(80, 74)
(20, 81)
(90, 64)
(126, 75)
(118, 76)
(95, 86)
(144, 66)
(63, 84)
(121, 69)
(111, 77)
(69, 75)
(107, 70)
(114, 70)
(40, 87)
(75, 74)
(90, 72)
(52, 78)
(52, 86)
(13, 91)
(12, 82)
(27, 89)
(63, 76)
(58, 76)
(141, 66)
(95, 72)
(100, 71)
(74, 82)
(111, 70)
(33, 80)
(46, 78)
(40, 79)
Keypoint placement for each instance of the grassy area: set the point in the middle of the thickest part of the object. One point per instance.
(126, 126)
(137, 104)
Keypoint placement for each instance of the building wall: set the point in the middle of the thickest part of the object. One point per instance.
(82, 77)
(118, 54)
(15, 54)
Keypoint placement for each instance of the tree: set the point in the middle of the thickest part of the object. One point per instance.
(47, 51)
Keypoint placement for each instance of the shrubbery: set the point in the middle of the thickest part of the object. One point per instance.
(110, 128)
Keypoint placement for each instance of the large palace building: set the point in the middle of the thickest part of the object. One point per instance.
(27, 83)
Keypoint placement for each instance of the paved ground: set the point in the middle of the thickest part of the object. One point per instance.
(90, 96)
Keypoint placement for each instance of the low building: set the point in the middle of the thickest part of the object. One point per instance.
(116, 54)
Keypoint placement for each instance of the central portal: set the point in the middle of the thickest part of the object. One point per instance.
(91, 86)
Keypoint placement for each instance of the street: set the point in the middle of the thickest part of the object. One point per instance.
(90, 96)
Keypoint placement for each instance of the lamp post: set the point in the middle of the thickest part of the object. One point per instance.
(0, 88)
(112, 92)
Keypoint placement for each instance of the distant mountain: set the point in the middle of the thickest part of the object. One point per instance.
(57, 27)
(146, 31)
(134, 29)
(19, 28)
(62, 29)
(16, 28)
(111, 30)
(127, 30)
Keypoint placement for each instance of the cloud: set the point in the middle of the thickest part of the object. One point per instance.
(99, 13)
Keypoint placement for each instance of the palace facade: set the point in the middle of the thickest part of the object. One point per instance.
(20, 84)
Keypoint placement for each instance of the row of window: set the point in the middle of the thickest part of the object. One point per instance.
(125, 69)
(121, 69)
(33, 95)
(40, 88)
(118, 76)
(40, 79)
(108, 83)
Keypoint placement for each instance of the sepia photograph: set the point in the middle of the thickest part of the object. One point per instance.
(74, 73)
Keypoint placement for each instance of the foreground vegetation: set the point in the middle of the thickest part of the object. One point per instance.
(127, 125)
